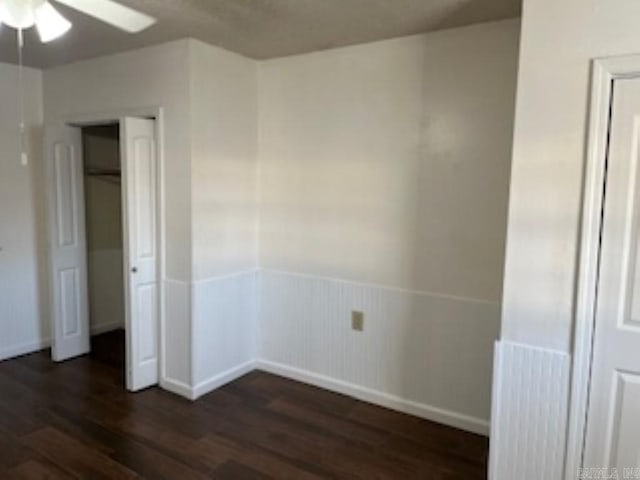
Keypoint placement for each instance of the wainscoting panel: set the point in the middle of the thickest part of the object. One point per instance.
(426, 354)
(176, 352)
(13, 351)
(531, 389)
(224, 323)
(24, 309)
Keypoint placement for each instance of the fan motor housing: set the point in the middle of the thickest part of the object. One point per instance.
(19, 13)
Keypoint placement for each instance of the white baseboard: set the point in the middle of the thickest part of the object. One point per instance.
(32, 347)
(428, 412)
(207, 386)
(177, 387)
(106, 327)
(24, 349)
(221, 379)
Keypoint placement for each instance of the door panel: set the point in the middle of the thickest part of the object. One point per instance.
(138, 142)
(145, 197)
(626, 421)
(70, 305)
(613, 421)
(67, 248)
(146, 302)
(65, 172)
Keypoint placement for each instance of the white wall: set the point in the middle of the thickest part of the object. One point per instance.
(24, 317)
(388, 163)
(150, 77)
(548, 158)
(386, 166)
(546, 188)
(224, 116)
(224, 119)
(154, 76)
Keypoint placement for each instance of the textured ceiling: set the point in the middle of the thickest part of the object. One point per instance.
(259, 28)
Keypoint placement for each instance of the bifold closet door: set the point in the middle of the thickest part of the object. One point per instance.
(67, 242)
(613, 421)
(139, 167)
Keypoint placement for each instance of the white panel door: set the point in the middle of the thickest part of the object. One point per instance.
(613, 421)
(139, 166)
(67, 244)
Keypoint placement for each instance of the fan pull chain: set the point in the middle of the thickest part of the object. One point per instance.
(24, 158)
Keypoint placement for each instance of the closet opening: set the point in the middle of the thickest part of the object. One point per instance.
(105, 242)
(104, 189)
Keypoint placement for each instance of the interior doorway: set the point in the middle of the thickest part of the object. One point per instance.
(102, 181)
(105, 241)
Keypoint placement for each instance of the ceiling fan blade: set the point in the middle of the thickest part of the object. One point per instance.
(113, 13)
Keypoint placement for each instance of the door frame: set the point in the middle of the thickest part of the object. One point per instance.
(115, 116)
(604, 72)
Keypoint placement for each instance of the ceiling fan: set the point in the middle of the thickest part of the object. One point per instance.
(24, 14)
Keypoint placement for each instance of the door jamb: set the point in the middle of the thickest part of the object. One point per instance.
(157, 113)
(604, 72)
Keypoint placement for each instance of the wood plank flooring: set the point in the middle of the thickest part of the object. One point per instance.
(75, 420)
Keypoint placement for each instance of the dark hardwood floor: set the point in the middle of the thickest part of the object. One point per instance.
(75, 420)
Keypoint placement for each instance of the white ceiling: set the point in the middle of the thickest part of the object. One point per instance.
(259, 28)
